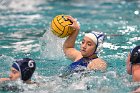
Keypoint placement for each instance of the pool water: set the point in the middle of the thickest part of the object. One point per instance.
(24, 32)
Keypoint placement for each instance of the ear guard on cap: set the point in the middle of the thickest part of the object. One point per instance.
(100, 38)
(27, 67)
(135, 55)
(27, 73)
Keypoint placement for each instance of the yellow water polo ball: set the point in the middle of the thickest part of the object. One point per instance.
(60, 26)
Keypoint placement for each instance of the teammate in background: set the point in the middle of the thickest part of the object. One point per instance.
(133, 64)
(87, 56)
(21, 69)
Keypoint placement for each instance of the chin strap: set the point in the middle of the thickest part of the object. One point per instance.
(94, 56)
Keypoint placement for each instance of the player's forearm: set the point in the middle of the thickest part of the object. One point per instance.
(4, 79)
(70, 41)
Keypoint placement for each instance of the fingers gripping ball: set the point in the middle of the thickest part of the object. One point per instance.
(60, 26)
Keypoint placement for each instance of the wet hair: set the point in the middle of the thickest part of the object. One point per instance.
(26, 67)
(135, 55)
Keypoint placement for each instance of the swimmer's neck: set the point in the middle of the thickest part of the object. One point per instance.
(92, 56)
(28, 82)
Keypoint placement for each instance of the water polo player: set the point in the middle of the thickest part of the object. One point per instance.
(87, 56)
(22, 69)
(133, 63)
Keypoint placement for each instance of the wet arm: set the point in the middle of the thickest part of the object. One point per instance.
(68, 46)
(98, 64)
(4, 79)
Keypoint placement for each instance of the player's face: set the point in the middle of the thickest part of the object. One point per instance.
(14, 74)
(87, 47)
(135, 72)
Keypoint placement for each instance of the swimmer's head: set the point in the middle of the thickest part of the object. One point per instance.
(135, 55)
(97, 38)
(25, 67)
(93, 37)
(14, 74)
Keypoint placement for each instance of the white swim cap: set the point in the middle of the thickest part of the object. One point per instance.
(93, 37)
(97, 38)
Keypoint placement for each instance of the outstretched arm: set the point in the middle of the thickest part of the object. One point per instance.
(4, 79)
(68, 46)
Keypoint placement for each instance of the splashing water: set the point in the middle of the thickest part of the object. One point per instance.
(51, 45)
(21, 24)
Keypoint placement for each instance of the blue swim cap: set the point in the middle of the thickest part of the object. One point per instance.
(26, 66)
(135, 55)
